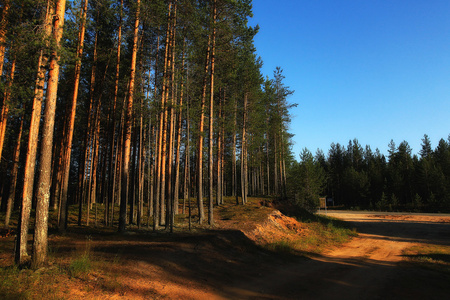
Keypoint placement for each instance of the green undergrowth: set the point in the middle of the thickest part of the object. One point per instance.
(18, 283)
(322, 233)
(429, 256)
(255, 210)
(48, 282)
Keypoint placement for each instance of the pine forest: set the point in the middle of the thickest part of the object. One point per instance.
(132, 113)
(141, 107)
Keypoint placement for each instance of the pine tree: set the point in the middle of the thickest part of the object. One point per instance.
(44, 181)
(30, 163)
(128, 124)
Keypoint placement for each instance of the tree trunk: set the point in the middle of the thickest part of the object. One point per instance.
(30, 162)
(275, 167)
(201, 212)
(187, 159)
(244, 179)
(219, 154)
(15, 169)
(211, 119)
(3, 26)
(156, 178)
(140, 165)
(5, 106)
(71, 122)
(178, 152)
(44, 181)
(128, 125)
(91, 137)
(112, 158)
(234, 186)
(170, 165)
(163, 127)
(132, 183)
(268, 163)
(151, 175)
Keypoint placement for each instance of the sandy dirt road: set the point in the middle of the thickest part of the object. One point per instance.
(227, 264)
(368, 267)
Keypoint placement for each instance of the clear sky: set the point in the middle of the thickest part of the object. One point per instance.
(374, 70)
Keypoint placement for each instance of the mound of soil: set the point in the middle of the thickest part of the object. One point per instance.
(277, 227)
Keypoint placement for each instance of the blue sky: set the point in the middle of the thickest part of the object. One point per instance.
(374, 70)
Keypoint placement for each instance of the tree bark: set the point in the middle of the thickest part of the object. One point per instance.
(178, 152)
(3, 26)
(44, 181)
(234, 186)
(219, 154)
(244, 180)
(112, 158)
(128, 125)
(14, 172)
(62, 224)
(211, 119)
(201, 212)
(170, 164)
(21, 254)
(5, 106)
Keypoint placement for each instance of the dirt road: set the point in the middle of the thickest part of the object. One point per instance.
(368, 267)
(228, 264)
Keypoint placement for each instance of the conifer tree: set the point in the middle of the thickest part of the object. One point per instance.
(30, 163)
(44, 181)
(128, 124)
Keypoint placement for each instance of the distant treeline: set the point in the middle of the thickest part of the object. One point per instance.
(357, 177)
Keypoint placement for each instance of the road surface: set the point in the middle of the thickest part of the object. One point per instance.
(371, 266)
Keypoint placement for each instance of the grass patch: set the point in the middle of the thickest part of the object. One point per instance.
(252, 211)
(324, 232)
(283, 247)
(10, 286)
(18, 283)
(80, 266)
(435, 257)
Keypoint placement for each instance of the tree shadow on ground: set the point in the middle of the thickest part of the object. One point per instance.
(228, 264)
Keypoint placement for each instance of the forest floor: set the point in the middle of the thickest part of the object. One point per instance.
(252, 252)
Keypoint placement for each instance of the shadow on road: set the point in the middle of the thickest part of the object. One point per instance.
(413, 232)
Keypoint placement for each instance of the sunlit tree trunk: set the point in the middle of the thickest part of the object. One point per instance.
(3, 26)
(179, 125)
(170, 145)
(140, 164)
(163, 127)
(219, 155)
(5, 106)
(112, 158)
(44, 181)
(275, 167)
(244, 179)
(201, 125)
(30, 161)
(234, 186)
(151, 173)
(267, 163)
(90, 155)
(132, 176)
(158, 148)
(211, 119)
(187, 159)
(128, 125)
(71, 122)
